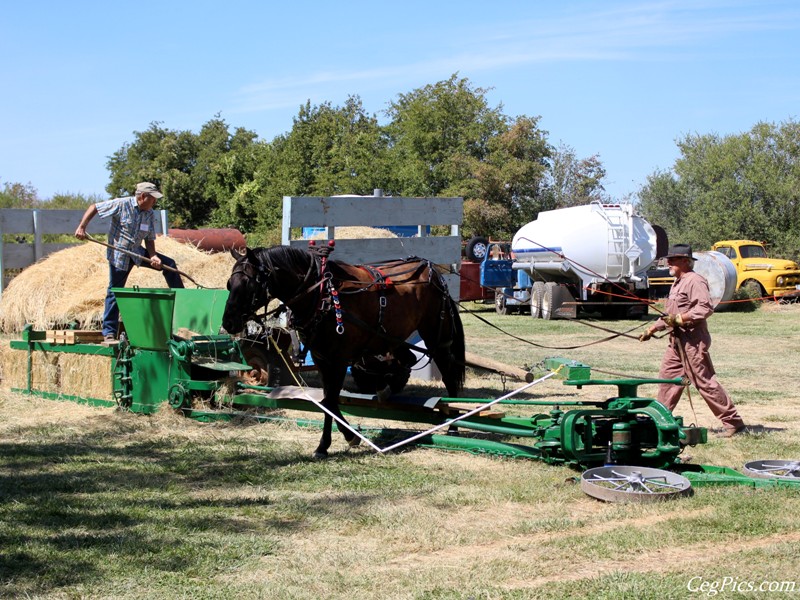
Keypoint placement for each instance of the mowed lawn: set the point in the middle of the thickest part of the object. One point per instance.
(96, 503)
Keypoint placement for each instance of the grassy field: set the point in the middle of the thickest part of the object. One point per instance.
(96, 503)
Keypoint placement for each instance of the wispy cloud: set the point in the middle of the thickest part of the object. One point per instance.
(648, 31)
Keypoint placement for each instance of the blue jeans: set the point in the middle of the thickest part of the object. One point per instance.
(118, 277)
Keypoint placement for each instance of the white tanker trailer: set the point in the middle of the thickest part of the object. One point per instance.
(592, 257)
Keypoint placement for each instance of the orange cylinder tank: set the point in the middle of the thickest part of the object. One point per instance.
(210, 240)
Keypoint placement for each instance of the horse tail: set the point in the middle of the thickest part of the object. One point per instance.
(458, 364)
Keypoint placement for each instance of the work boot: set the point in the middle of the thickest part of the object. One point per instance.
(730, 432)
(110, 340)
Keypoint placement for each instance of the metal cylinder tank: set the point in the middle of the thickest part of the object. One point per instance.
(721, 275)
(210, 240)
(609, 240)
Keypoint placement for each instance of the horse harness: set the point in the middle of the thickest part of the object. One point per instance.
(319, 278)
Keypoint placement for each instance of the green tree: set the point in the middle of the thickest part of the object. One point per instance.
(71, 201)
(737, 186)
(573, 181)
(330, 150)
(18, 195)
(198, 173)
(663, 201)
(447, 140)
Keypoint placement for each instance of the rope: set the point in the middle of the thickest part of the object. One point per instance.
(616, 334)
(448, 423)
(688, 370)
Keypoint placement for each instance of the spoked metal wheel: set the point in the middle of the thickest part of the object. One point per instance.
(633, 484)
(774, 469)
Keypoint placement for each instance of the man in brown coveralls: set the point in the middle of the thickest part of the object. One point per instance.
(688, 306)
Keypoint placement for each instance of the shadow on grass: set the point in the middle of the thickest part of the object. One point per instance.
(72, 512)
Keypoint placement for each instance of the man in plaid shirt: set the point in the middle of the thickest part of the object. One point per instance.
(132, 222)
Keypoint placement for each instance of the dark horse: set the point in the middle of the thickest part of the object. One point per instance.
(344, 313)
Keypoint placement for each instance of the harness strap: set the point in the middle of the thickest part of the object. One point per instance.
(379, 278)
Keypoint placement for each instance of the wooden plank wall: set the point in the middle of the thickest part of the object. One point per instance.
(20, 221)
(372, 211)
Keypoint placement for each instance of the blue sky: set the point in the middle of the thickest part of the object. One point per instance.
(620, 79)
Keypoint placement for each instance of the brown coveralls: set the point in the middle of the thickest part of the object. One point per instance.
(689, 296)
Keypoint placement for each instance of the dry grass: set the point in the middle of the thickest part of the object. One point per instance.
(435, 525)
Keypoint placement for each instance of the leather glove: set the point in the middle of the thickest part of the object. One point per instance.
(673, 320)
(646, 336)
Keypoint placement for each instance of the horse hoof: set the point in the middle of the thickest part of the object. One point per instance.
(355, 442)
(384, 394)
(319, 455)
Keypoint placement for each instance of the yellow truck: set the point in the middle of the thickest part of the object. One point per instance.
(756, 271)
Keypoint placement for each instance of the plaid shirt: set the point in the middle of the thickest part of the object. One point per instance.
(129, 227)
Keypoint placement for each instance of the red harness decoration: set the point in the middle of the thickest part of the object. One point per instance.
(379, 278)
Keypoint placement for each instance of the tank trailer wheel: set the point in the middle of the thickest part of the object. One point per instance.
(537, 293)
(633, 484)
(788, 470)
(548, 302)
(500, 305)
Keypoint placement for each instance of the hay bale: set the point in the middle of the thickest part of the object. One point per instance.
(86, 376)
(45, 371)
(70, 286)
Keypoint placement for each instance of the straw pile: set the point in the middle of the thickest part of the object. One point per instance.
(70, 286)
(356, 233)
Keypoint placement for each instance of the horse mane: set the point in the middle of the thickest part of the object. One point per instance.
(284, 257)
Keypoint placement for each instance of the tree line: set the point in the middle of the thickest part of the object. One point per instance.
(445, 139)
(740, 186)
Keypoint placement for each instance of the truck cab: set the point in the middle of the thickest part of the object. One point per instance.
(755, 270)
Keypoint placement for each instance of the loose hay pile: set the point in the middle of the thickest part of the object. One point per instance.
(357, 233)
(70, 286)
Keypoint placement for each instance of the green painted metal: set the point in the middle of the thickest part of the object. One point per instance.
(147, 315)
(568, 369)
(153, 315)
(199, 310)
(707, 475)
(626, 388)
(479, 446)
(151, 377)
(36, 346)
(67, 397)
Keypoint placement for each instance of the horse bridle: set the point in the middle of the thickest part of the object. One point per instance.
(260, 277)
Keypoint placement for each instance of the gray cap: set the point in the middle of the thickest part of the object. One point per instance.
(146, 187)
